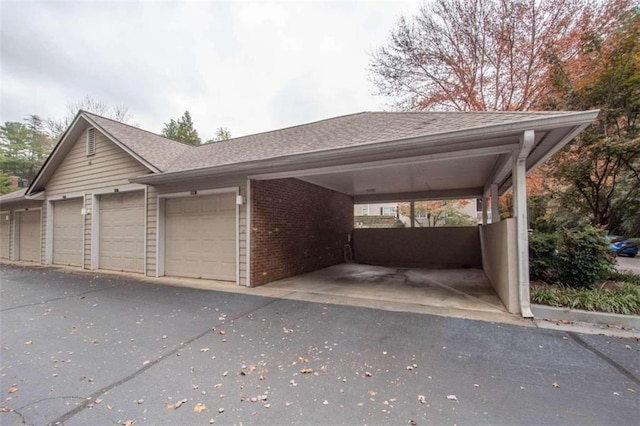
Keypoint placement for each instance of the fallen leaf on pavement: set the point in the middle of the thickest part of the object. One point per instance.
(422, 399)
(220, 410)
(13, 389)
(413, 422)
(452, 398)
(199, 408)
(204, 350)
(128, 423)
(367, 374)
(28, 342)
(631, 390)
(223, 333)
(555, 385)
(4, 410)
(306, 371)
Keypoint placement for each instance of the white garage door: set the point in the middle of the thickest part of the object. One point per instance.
(122, 231)
(29, 233)
(4, 235)
(200, 237)
(67, 232)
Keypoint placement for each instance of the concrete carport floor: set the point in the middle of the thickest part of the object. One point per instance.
(461, 293)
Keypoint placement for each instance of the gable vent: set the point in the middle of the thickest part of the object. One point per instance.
(91, 141)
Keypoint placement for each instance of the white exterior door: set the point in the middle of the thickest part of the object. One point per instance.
(29, 234)
(200, 237)
(4, 235)
(122, 231)
(68, 230)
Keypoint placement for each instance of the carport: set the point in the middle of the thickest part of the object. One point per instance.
(300, 185)
(485, 156)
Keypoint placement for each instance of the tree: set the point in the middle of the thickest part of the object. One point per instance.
(182, 130)
(222, 134)
(56, 127)
(438, 213)
(24, 147)
(5, 184)
(600, 169)
(473, 55)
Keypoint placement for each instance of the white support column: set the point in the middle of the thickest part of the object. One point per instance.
(519, 174)
(495, 203)
(485, 214)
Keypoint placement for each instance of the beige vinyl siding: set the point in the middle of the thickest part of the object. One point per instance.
(109, 167)
(228, 182)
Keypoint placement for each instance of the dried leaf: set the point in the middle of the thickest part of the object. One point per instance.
(28, 342)
(422, 399)
(367, 374)
(220, 410)
(452, 398)
(199, 408)
(128, 423)
(13, 389)
(204, 350)
(217, 385)
(631, 390)
(555, 385)
(413, 422)
(306, 371)
(4, 410)
(223, 333)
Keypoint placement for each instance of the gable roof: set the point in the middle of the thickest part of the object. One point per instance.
(153, 151)
(361, 129)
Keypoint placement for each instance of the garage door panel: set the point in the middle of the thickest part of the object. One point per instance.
(29, 234)
(122, 232)
(200, 237)
(68, 232)
(4, 235)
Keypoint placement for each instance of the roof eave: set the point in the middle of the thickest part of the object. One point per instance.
(306, 159)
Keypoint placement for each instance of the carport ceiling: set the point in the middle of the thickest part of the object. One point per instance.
(469, 174)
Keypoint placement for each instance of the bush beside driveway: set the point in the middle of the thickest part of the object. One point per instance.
(99, 349)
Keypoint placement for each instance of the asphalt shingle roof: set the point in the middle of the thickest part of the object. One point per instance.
(155, 149)
(340, 132)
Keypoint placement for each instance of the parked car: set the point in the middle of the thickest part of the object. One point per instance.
(620, 246)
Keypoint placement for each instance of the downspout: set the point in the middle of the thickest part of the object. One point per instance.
(527, 142)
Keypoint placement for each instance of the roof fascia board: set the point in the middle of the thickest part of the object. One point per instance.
(121, 144)
(473, 135)
(454, 155)
(442, 194)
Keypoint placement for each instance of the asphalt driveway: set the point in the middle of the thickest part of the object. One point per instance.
(83, 349)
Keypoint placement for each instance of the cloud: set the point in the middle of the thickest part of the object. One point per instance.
(247, 66)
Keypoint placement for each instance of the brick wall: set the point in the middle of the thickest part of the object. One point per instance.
(296, 227)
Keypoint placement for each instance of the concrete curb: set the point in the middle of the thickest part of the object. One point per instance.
(566, 314)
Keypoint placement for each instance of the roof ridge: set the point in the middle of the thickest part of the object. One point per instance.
(528, 112)
(135, 127)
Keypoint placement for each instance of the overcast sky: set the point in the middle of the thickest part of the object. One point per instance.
(247, 66)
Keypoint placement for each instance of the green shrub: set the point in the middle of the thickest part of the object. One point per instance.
(542, 256)
(625, 299)
(583, 257)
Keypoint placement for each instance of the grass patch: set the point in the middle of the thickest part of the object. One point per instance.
(616, 298)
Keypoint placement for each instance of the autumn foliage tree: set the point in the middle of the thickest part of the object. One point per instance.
(474, 55)
(601, 168)
(438, 213)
